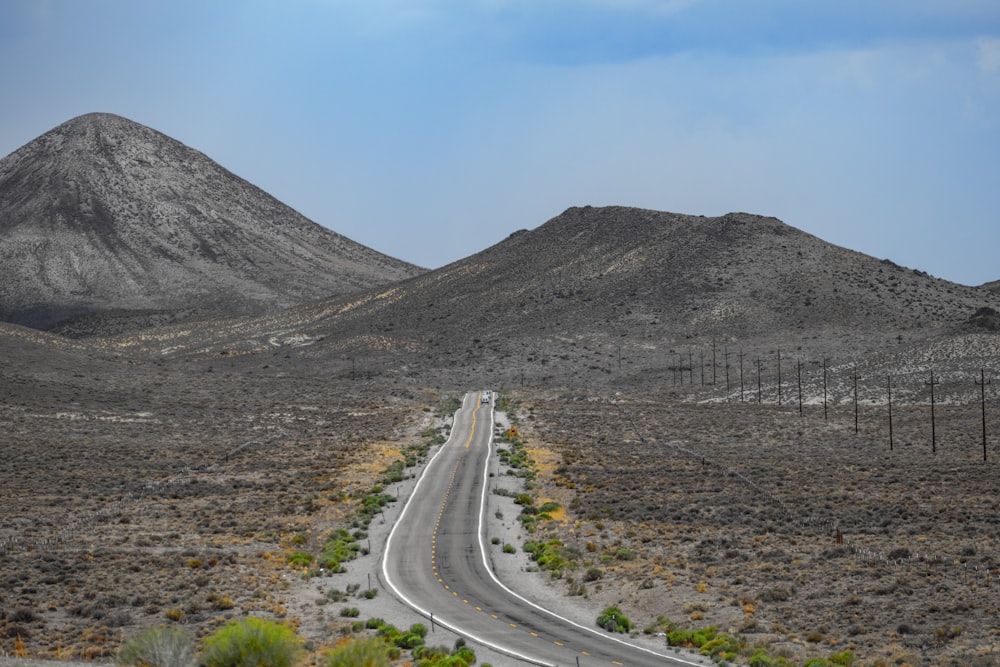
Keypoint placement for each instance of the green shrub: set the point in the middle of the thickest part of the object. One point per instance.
(350, 612)
(300, 559)
(761, 659)
(509, 549)
(394, 473)
(410, 640)
(613, 620)
(845, 658)
(371, 652)
(251, 642)
(160, 646)
(722, 646)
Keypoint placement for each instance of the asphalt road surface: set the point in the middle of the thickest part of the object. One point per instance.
(435, 562)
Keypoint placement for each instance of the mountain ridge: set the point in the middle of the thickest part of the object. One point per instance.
(632, 283)
(104, 214)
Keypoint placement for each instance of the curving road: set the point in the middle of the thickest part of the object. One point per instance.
(435, 562)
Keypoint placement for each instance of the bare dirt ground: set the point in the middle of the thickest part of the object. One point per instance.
(159, 496)
(121, 511)
(729, 514)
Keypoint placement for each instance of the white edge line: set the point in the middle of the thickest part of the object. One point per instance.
(482, 550)
(399, 520)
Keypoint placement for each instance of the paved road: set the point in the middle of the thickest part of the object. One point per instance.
(434, 561)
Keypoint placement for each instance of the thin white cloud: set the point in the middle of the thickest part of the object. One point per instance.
(653, 7)
(989, 55)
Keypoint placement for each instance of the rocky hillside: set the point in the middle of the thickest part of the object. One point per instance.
(104, 217)
(596, 290)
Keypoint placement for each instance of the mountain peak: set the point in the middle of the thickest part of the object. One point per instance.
(103, 214)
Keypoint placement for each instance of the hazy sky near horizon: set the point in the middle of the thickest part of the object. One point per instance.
(432, 129)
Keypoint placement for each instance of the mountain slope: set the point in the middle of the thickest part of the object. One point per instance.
(102, 214)
(595, 283)
(625, 271)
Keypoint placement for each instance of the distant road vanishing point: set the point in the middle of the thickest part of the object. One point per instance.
(435, 561)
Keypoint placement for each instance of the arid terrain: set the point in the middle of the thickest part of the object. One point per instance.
(708, 401)
(137, 498)
(142, 494)
(729, 515)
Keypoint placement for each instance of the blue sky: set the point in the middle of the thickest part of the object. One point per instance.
(431, 129)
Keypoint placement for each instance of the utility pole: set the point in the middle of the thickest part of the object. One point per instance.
(798, 372)
(725, 355)
(741, 375)
(759, 399)
(982, 400)
(888, 386)
(779, 377)
(824, 388)
(713, 362)
(933, 430)
(855, 372)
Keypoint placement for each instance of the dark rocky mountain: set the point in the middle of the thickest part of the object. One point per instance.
(118, 226)
(597, 289)
(993, 286)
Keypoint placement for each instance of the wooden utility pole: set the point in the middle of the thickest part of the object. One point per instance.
(759, 399)
(888, 386)
(779, 377)
(933, 429)
(741, 375)
(824, 388)
(982, 401)
(725, 355)
(855, 372)
(798, 372)
(713, 362)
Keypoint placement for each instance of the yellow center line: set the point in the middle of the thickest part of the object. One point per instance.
(558, 643)
(472, 431)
